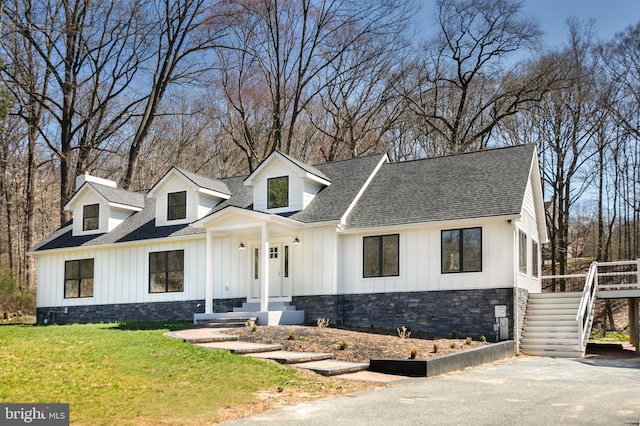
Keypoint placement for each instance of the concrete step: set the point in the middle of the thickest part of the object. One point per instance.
(549, 340)
(201, 335)
(226, 322)
(554, 354)
(536, 296)
(545, 307)
(291, 357)
(553, 317)
(272, 306)
(332, 367)
(549, 347)
(550, 321)
(535, 334)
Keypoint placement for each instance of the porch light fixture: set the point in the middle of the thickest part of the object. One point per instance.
(241, 246)
(296, 241)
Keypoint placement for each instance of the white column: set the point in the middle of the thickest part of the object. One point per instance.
(208, 274)
(264, 278)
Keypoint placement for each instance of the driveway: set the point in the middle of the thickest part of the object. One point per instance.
(521, 391)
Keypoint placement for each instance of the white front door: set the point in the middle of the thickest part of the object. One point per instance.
(275, 270)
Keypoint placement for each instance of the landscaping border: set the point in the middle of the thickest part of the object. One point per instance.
(447, 363)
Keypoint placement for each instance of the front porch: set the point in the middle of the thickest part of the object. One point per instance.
(260, 247)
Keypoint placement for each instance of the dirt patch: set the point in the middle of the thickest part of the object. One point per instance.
(355, 345)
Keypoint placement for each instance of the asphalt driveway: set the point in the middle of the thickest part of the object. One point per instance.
(521, 391)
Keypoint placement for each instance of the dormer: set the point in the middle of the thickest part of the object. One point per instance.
(98, 206)
(282, 184)
(183, 197)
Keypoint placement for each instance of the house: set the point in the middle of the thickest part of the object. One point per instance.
(442, 245)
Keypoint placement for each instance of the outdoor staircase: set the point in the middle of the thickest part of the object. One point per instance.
(279, 313)
(550, 326)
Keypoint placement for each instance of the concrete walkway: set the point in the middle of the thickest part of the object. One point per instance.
(321, 363)
(522, 391)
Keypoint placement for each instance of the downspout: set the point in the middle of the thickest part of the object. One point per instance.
(514, 265)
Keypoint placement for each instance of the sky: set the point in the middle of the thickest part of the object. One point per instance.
(611, 16)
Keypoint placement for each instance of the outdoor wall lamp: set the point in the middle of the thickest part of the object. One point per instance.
(241, 246)
(296, 241)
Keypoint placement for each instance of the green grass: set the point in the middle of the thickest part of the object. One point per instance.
(611, 336)
(129, 374)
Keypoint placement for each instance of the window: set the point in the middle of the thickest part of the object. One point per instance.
(534, 259)
(278, 192)
(381, 256)
(166, 271)
(177, 205)
(256, 263)
(78, 278)
(286, 261)
(90, 217)
(522, 252)
(461, 250)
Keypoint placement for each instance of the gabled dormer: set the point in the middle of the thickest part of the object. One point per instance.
(98, 206)
(183, 197)
(282, 184)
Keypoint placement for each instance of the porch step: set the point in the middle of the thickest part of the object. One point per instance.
(201, 335)
(272, 306)
(291, 357)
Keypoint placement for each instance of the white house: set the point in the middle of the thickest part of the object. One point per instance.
(434, 244)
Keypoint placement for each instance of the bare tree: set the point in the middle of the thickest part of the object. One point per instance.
(470, 78)
(280, 55)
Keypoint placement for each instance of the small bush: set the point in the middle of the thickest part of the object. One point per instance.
(468, 340)
(454, 334)
(343, 345)
(452, 345)
(414, 354)
(404, 332)
(483, 338)
(435, 348)
(304, 338)
(323, 322)
(292, 334)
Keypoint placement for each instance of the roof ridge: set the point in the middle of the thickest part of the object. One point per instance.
(460, 154)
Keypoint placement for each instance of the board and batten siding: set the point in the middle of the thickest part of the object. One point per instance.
(529, 225)
(121, 274)
(278, 169)
(420, 261)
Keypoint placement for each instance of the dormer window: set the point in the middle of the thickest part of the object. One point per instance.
(177, 205)
(278, 192)
(90, 217)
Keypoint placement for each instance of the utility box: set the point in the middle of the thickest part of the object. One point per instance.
(501, 311)
(504, 328)
(502, 322)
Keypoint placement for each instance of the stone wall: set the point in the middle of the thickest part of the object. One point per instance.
(521, 296)
(463, 312)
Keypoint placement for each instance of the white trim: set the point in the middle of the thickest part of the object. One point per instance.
(250, 180)
(72, 201)
(440, 223)
(124, 207)
(213, 193)
(383, 160)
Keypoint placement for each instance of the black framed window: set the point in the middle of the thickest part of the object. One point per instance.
(166, 271)
(535, 271)
(381, 256)
(78, 278)
(522, 252)
(177, 205)
(90, 217)
(278, 192)
(286, 261)
(461, 250)
(256, 263)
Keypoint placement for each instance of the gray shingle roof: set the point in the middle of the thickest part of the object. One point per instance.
(307, 168)
(205, 182)
(119, 196)
(139, 226)
(473, 185)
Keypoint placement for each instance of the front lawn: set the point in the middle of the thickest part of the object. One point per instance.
(115, 374)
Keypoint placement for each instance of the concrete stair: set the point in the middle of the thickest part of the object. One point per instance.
(550, 327)
(279, 313)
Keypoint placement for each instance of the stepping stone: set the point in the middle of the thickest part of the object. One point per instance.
(241, 348)
(201, 335)
(289, 357)
(332, 367)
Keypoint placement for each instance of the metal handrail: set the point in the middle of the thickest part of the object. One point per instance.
(586, 305)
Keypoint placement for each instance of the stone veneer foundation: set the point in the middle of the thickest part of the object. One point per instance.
(468, 313)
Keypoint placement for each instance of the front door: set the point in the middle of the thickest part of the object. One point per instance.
(275, 270)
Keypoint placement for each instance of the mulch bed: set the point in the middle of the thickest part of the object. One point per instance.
(355, 345)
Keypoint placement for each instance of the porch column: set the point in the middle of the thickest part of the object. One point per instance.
(208, 274)
(264, 277)
(634, 323)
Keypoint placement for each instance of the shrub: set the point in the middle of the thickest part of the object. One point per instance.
(414, 354)
(483, 338)
(454, 334)
(292, 334)
(323, 322)
(404, 332)
(343, 345)
(435, 348)
(468, 340)
(452, 345)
